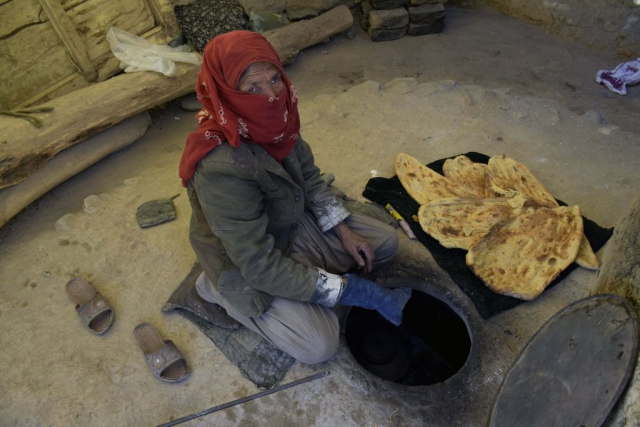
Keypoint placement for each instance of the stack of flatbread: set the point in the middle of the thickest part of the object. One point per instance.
(517, 236)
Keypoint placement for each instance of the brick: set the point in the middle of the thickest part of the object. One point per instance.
(388, 19)
(432, 28)
(388, 4)
(421, 2)
(425, 14)
(386, 35)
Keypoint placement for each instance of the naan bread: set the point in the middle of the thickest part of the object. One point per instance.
(466, 174)
(586, 258)
(458, 223)
(507, 177)
(422, 183)
(522, 255)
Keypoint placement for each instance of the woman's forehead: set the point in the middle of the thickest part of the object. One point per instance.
(257, 68)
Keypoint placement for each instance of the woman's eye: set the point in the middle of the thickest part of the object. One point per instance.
(275, 80)
(253, 90)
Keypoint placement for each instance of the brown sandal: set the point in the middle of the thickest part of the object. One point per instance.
(163, 357)
(93, 309)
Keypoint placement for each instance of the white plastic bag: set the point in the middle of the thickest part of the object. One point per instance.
(137, 54)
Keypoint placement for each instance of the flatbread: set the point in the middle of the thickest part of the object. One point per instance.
(586, 258)
(522, 255)
(422, 183)
(458, 223)
(507, 177)
(466, 174)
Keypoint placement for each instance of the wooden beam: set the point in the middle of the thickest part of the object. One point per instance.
(67, 32)
(165, 16)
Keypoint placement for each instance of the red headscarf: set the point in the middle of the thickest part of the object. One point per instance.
(230, 115)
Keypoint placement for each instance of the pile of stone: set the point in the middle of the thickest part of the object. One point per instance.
(392, 19)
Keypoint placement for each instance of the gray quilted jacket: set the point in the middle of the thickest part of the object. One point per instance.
(246, 211)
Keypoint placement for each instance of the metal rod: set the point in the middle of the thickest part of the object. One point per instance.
(244, 399)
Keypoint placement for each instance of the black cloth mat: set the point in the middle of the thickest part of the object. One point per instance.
(488, 303)
(256, 358)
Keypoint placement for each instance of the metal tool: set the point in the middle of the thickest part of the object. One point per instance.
(401, 221)
(244, 399)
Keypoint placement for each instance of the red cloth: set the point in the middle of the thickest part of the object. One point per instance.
(230, 115)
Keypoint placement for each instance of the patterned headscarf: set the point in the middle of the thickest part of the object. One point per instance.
(230, 115)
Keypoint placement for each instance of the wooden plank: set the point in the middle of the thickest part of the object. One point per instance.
(70, 83)
(65, 29)
(92, 20)
(32, 69)
(84, 113)
(165, 16)
(107, 67)
(36, 59)
(18, 14)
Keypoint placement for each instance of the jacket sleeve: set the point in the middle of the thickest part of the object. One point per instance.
(233, 204)
(326, 207)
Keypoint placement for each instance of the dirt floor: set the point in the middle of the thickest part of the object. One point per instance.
(488, 83)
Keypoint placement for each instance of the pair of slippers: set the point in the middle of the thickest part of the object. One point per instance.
(163, 358)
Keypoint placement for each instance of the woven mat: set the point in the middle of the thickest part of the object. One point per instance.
(256, 358)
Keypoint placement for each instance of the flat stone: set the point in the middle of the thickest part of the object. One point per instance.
(421, 2)
(388, 19)
(425, 14)
(387, 35)
(190, 103)
(421, 30)
(155, 212)
(387, 4)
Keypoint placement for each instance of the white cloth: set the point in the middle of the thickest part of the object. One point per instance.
(627, 73)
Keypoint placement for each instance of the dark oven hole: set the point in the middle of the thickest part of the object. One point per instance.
(431, 345)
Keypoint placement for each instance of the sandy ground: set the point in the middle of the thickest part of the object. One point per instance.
(488, 84)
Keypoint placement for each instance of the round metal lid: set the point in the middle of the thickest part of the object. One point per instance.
(574, 369)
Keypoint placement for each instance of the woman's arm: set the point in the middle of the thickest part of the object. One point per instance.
(233, 203)
(330, 212)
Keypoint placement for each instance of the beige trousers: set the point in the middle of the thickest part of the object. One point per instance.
(310, 332)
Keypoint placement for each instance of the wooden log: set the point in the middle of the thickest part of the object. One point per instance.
(289, 40)
(70, 162)
(69, 36)
(81, 114)
(620, 275)
(85, 112)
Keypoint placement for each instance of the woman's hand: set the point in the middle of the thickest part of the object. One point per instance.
(358, 247)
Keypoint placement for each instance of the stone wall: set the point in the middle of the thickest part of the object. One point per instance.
(612, 25)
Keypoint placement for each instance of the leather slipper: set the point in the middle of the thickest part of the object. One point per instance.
(93, 309)
(163, 357)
